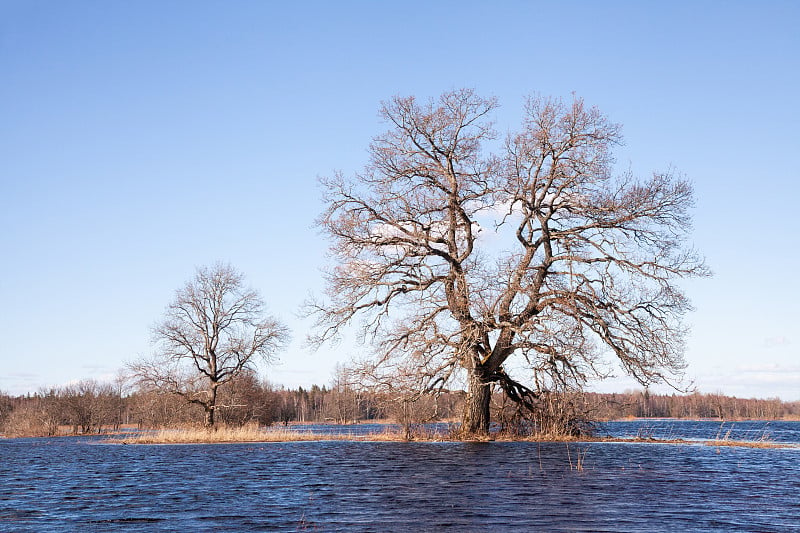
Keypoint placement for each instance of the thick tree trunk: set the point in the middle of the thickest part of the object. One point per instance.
(211, 406)
(475, 422)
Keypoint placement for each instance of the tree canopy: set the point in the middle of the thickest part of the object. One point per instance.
(214, 330)
(520, 262)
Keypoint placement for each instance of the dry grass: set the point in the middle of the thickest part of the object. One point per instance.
(747, 443)
(223, 435)
(716, 442)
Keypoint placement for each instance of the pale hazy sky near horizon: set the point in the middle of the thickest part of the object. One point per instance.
(139, 140)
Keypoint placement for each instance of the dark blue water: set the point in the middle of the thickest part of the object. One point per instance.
(73, 484)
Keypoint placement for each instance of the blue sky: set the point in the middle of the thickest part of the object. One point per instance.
(139, 140)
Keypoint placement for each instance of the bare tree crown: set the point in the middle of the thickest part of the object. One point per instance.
(217, 321)
(214, 330)
(587, 265)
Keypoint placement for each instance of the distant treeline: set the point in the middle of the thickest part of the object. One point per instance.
(642, 404)
(91, 407)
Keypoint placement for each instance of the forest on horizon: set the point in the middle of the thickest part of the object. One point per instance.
(91, 407)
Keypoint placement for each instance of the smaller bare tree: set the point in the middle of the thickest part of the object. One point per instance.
(213, 330)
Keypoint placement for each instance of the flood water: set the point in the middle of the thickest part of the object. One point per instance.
(84, 484)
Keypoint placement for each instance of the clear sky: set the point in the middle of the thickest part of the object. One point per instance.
(139, 140)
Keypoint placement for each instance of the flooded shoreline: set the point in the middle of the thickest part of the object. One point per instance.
(745, 433)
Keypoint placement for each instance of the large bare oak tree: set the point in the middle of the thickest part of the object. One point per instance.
(213, 330)
(522, 268)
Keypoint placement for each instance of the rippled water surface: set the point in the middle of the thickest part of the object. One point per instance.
(71, 484)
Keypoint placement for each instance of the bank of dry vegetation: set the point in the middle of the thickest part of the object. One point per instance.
(252, 433)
